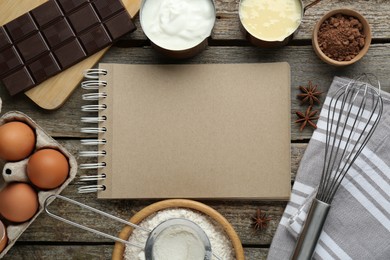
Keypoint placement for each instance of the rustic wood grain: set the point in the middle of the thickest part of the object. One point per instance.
(227, 26)
(238, 213)
(87, 252)
(305, 66)
(47, 229)
(60, 252)
(50, 239)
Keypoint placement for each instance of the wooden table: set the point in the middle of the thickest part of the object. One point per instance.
(47, 238)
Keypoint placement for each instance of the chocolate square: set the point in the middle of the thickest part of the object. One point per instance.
(21, 26)
(58, 33)
(18, 81)
(70, 5)
(70, 53)
(120, 25)
(4, 39)
(44, 68)
(107, 8)
(32, 47)
(9, 60)
(95, 39)
(83, 18)
(46, 13)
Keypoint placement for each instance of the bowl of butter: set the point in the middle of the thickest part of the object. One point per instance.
(271, 23)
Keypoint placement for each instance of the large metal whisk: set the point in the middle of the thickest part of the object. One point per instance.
(353, 114)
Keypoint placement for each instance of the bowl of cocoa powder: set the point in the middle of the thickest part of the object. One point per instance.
(341, 37)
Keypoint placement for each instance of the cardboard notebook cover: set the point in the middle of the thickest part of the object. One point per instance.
(197, 131)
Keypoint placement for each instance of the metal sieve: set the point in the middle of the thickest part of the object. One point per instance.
(154, 234)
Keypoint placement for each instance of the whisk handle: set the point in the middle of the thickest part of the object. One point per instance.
(311, 232)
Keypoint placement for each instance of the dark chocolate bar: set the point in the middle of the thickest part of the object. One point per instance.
(56, 35)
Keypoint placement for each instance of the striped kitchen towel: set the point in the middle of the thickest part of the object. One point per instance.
(358, 224)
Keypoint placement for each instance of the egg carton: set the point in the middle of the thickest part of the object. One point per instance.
(16, 172)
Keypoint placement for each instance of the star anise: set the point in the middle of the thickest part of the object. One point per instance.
(307, 118)
(309, 94)
(260, 220)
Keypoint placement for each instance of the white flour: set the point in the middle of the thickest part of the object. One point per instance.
(178, 243)
(220, 242)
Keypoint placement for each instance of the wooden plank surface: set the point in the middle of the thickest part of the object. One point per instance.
(304, 64)
(227, 26)
(88, 252)
(376, 12)
(47, 238)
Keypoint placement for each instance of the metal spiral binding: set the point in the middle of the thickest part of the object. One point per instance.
(93, 83)
(94, 73)
(93, 141)
(92, 153)
(86, 166)
(93, 108)
(94, 96)
(93, 130)
(93, 119)
(91, 188)
(97, 177)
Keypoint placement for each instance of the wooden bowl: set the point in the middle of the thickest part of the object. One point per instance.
(179, 203)
(366, 30)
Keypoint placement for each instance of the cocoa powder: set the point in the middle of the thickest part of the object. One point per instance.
(341, 37)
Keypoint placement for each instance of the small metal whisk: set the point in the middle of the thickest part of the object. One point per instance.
(353, 115)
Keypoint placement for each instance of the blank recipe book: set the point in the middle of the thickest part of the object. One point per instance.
(196, 131)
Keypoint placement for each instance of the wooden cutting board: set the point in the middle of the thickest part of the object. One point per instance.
(53, 93)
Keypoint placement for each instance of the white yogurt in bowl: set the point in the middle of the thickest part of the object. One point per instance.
(177, 25)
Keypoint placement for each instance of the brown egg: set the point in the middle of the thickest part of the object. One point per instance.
(19, 202)
(3, 236)
(17, 141)
(47, 169)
